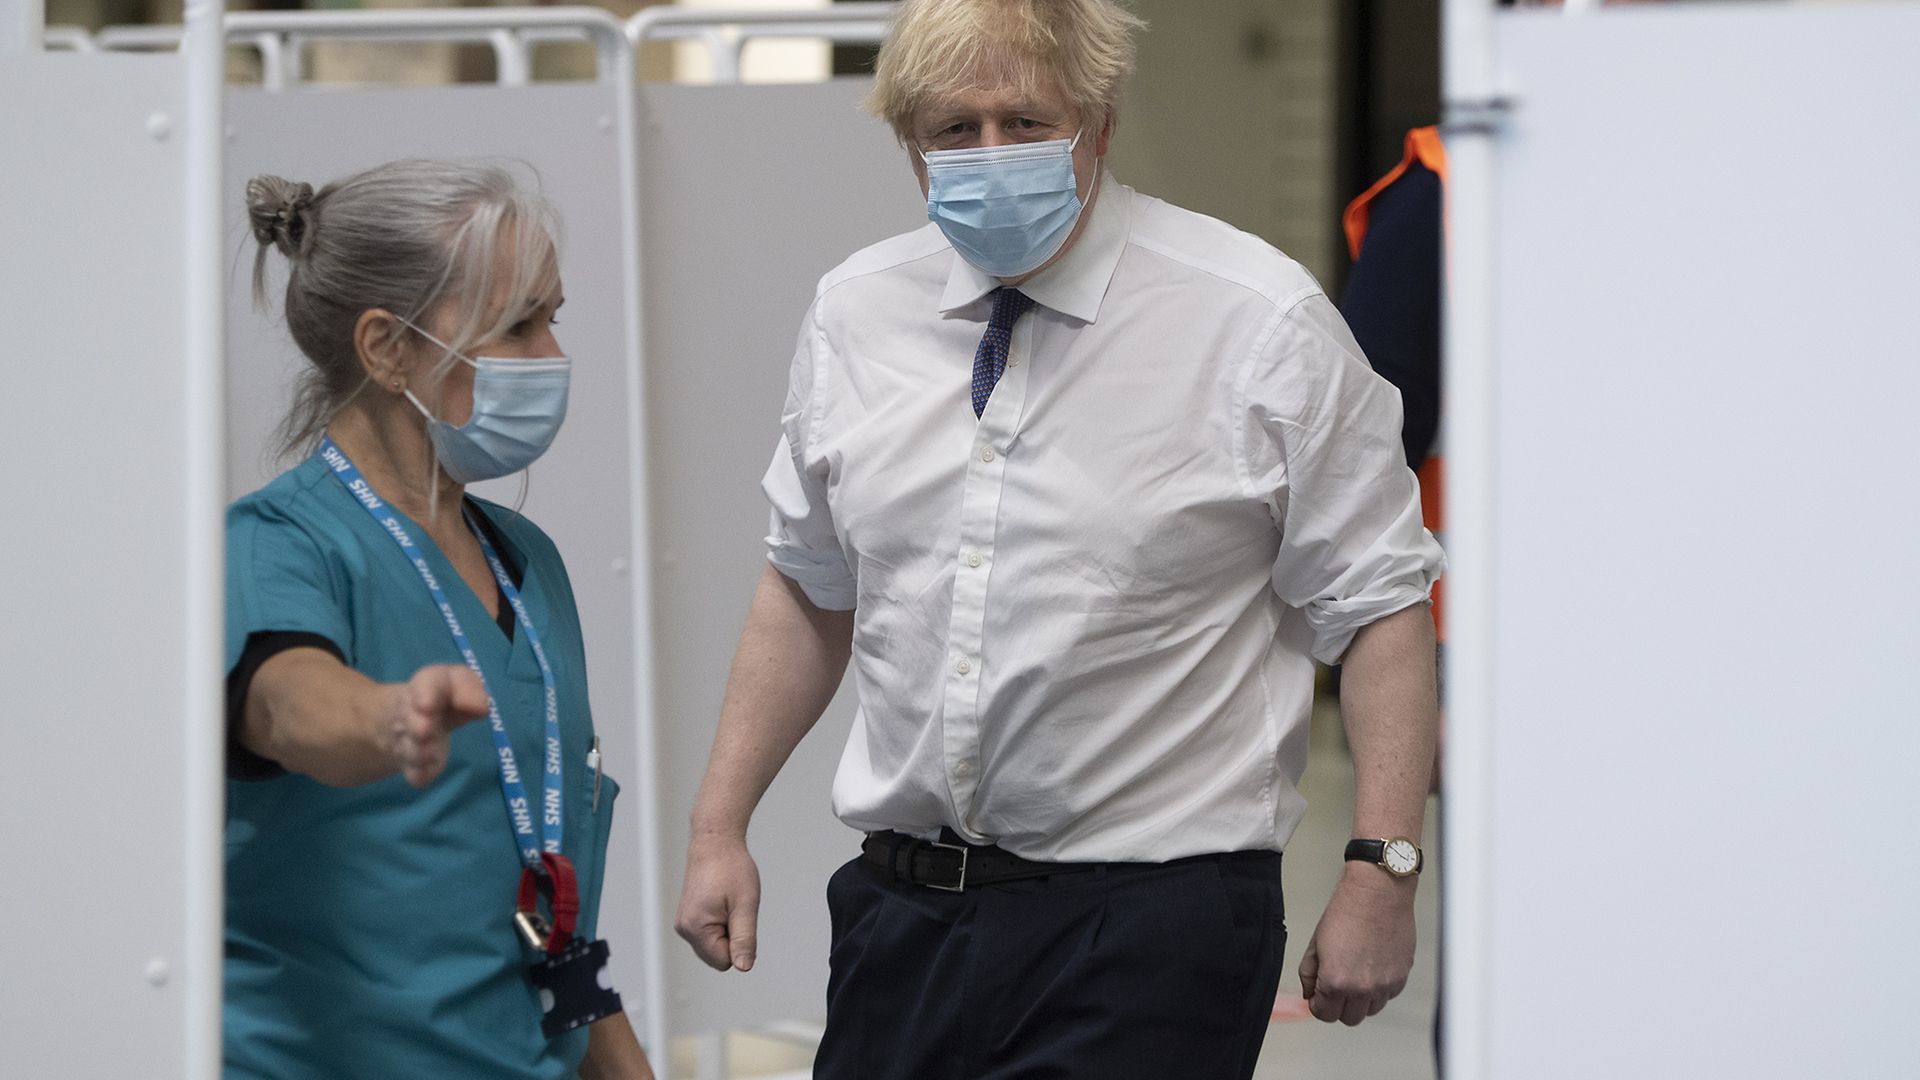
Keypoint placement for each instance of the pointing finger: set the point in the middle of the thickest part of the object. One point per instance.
(466, 698)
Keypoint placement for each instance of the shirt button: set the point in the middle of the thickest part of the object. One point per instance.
(973, 559)
(964, 768)
(1015, 362)
(987, 454)
(962, 666)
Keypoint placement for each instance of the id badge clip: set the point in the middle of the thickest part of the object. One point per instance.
(572, 988)
(570, 975)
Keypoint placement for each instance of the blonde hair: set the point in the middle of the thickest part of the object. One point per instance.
(405, 237)
(938, 48)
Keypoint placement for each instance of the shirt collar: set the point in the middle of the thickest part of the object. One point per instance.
(1076, 284)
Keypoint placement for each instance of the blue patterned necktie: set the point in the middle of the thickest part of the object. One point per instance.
(991, 358)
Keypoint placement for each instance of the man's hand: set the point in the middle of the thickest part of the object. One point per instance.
(419, 715)
(720, 905)
(1363, 948)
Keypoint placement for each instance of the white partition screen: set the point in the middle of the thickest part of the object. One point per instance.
(1704, 725)
(751, 194)
(113, 876)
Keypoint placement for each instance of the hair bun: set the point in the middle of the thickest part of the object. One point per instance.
(281, 213)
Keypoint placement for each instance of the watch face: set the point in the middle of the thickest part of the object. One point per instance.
(1401, 857)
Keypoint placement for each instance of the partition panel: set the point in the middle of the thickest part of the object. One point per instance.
(578, 492)
(1704, 725)
(103, 825)
(751, 194)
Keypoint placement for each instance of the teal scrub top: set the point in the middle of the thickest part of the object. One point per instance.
(369, 930)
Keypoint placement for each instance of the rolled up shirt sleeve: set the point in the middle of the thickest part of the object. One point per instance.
(1322, 446)
(802, 542)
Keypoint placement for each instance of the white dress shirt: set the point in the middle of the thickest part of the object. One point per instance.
(1084, 623)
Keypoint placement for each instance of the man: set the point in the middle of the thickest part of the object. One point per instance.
(1081, 483)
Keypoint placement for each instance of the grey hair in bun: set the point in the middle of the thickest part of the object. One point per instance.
(408, 237)
(281, 213)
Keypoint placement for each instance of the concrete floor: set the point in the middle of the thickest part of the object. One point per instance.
(1395, 1045)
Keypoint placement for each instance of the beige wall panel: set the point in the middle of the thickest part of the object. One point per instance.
(1232, 113)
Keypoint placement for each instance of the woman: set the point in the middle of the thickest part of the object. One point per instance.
(400, 882)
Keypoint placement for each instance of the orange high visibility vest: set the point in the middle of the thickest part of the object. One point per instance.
(1423, 145)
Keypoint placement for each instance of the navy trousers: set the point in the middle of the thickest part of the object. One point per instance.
(1121, 972)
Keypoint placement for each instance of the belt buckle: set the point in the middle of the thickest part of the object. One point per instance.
(960, 884)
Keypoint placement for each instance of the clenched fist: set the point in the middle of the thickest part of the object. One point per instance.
(720, 904)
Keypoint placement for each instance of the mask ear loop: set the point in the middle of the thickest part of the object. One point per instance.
(408, 394)
(1098, 165)
(451, 351)
(433, 450)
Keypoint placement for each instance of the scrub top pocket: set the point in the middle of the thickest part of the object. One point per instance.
(591, 870)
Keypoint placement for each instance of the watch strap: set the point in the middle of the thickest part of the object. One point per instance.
(1372, 851)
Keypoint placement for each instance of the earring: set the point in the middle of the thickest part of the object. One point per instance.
(396, 384)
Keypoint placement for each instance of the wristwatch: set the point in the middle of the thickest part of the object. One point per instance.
(1397, 855)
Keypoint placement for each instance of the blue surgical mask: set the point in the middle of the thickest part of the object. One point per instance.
(1006, 209)
(518, 406)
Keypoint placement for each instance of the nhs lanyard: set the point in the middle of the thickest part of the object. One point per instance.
(519, 810)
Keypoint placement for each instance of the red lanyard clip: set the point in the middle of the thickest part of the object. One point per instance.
(563, 899)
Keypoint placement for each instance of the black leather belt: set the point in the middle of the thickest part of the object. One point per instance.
(954, 867)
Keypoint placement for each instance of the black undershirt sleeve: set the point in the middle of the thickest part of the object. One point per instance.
(242, 763)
